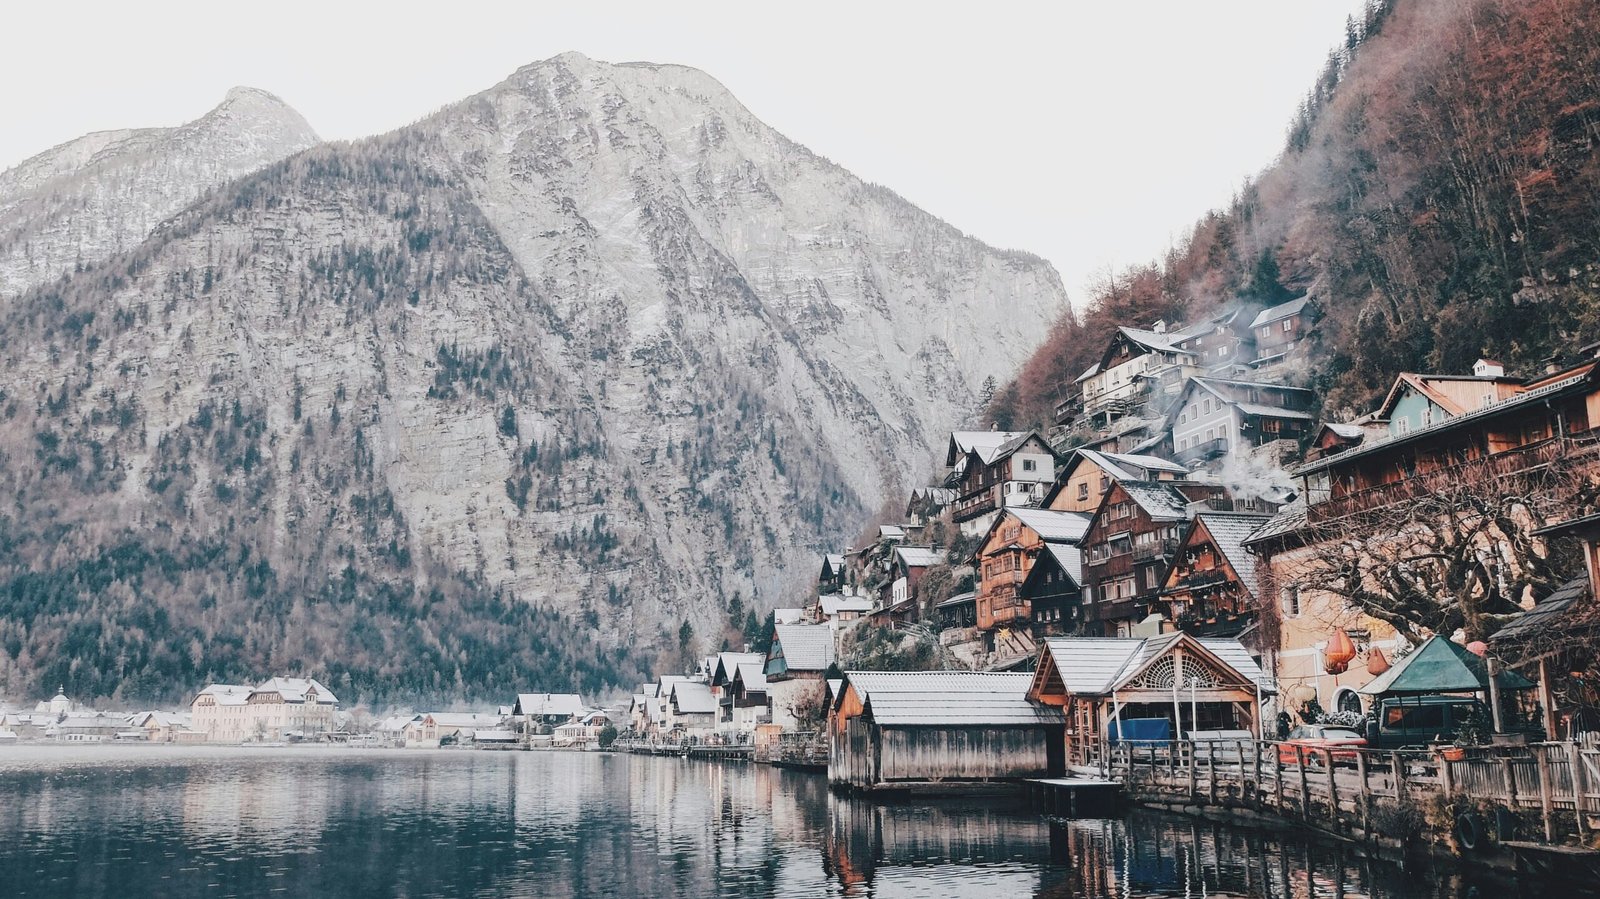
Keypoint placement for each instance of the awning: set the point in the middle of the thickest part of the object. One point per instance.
(1440, 666)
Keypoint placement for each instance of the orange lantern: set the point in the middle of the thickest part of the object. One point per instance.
(1477, 647)
(1377, 662)
(1336, 658)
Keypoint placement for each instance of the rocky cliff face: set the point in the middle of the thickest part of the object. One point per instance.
(77, 204)
(504, 398)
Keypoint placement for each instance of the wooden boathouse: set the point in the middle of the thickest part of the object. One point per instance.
(1111, 689)
(929, 730)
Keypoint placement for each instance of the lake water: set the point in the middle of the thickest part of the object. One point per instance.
(176, 822)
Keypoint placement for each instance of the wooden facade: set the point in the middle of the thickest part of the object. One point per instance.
(1098, 682)
(1023, 466)
(1205, 592)
(1134, 535)
(891, 730)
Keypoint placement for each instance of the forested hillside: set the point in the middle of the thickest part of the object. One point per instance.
(1438, 197)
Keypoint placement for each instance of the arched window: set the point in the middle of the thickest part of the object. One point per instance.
(1347, 700)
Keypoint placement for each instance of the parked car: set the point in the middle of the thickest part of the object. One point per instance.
(1416, 721)
(1312, 738)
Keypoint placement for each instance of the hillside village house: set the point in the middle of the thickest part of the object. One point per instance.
(1087, 475)
(1008, 553)
(722, 678)
(1215, 418)
(795, 665)
(1210, 587)
(832, 578)
(989, 476)
(439, 728)
(1133, 535)
(1136, 369)
(908, 566)
(1278, 331)
(692, 708)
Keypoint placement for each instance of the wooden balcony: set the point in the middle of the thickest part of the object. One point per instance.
(1160, 549)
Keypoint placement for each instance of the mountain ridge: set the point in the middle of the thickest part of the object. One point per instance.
(554, 386)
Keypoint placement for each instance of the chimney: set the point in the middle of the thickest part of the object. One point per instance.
(1160, 327)
(1488, 368)
(1552, 363)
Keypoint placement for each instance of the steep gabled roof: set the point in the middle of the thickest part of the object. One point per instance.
(1279, 312)
(984, 443)
(1054, 527)
(1069, 557)
(1289, 519)
(802, 647)
(1228, 532)
(1157, 498)
(1099, 666)
(752, 677)
(728, 663)
(692, 697)
(833, 605)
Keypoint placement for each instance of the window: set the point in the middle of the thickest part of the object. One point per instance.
(1083, 490)
(1289, 597)
(1222, 351)
(1427, 415)
(1029, 464)
(1288, 325)
(1105, 483)
(1266, 332)
(1402, 426)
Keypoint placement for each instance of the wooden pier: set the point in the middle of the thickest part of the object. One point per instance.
(1075, 797)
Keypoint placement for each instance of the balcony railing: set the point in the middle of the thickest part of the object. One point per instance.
(1160, 549)
(1209, 449)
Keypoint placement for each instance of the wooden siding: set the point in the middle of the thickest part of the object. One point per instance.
(865, 755)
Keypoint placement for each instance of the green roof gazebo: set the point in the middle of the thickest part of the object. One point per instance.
(1440, 666)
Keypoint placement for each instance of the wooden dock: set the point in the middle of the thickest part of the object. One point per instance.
(1075, 797)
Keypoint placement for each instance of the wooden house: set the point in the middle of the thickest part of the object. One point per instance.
(1214, 418)
(723, 672)
(1210, 587)
(744, 701)
(1053, 589)
(1105, 684)
(1137, 367)
(988, 478)
(832, 577)
(795, 665)
(889, 730)
(1087, 475)
(1278, 331)
(1133, 535)
(1009, 550)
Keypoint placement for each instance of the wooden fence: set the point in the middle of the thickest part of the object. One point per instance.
(1347, 789)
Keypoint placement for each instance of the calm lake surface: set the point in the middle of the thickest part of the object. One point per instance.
(175, 822)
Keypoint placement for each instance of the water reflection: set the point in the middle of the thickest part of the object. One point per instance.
(168, 821)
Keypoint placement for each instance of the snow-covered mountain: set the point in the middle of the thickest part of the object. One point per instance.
(595, 343)
(77, 204)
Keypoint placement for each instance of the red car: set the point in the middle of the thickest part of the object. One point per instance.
(1315, 737)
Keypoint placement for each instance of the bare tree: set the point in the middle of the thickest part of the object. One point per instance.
(1454, 548)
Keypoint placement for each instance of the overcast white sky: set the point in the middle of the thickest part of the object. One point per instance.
(1092, 135)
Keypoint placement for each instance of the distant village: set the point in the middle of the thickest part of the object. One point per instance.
(1184, 552)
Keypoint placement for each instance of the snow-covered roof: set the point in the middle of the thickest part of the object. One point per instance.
(1054, 526)
(1279, 312)
(787, 616)
(752, 676)
(891, 532)
(833, 605)
(984, 443)
(804, 647)
(1157, 499)
(951, 698)
(546, 704)
(1097, 666)
(728, 663)
(1347, 431)
(462, 719)
(693, 697)
(227, 694)
(1289, 519)
(959, 599)
(299, 689)
(919, 556)
(1228, 531)
(1070, 557)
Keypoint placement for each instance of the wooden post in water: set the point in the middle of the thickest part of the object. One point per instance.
(1211, 770)
(1447, 776)
(1366, 795)
(1194, 789)
(1305, 786)
(1399, 777)
(1255, 790)
(1575, 759)
(1333, 791)
(1541, 757)
(1277, 774)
